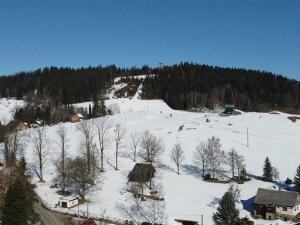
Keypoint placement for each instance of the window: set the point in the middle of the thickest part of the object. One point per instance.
(284, 209)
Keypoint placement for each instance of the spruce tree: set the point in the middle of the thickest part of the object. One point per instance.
(268, 170)
(226, 213)
(15, 209)
(297, 179)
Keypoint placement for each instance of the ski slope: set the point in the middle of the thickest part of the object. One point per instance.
(186, 195)
(8, 107)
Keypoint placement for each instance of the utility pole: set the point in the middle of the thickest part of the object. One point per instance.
(201, 219)
(247, 137)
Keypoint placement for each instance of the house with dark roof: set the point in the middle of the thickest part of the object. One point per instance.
(141, 172)
(15, 125)
(276, 204)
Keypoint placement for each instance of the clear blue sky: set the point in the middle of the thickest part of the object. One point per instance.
(256, 34)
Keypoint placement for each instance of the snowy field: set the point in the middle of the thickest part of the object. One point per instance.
(186, 195)
(8, 108)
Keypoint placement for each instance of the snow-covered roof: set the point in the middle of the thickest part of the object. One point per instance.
(69, 198)
(79, 115)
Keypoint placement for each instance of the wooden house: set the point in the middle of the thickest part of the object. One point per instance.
(276, 204)
(76, 117)
(15, 125)
(141, 172)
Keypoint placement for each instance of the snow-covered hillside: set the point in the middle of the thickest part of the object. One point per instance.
(186, 195)
(8, 108)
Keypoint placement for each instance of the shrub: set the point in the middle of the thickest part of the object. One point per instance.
(207, 176)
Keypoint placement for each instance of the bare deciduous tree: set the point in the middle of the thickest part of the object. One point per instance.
(214, 154)
(119, 132)
(13, 144)
(151, 147)
(275, 173)
(236, 192)
(231, 158)
(177, 156)
(240, 164)
(235, 162)
(39, 141)
(85, 128)
(79, 180)
(200, 157)
(134, 143)
(151, 212)
(103, 126)
(60, 164)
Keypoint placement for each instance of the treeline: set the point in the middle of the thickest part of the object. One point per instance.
(49, 114)
(184, 86)
(191, 87)
(64, 85)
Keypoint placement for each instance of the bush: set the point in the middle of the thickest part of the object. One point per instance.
(288, 181)
(207, 176)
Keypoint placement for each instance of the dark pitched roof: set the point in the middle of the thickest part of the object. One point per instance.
(277, 198)
(12, 125)
(186, 222)
(141, 172)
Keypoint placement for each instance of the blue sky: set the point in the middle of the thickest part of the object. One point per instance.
(255, 34)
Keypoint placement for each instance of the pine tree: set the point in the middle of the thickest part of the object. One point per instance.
(268, 170)
(297, 179)
(226, 213)
(15, 209)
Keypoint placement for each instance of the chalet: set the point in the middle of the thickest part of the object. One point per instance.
(276, 204)
(141, 172)
(15, 125)
(76, 117)
(68, 201)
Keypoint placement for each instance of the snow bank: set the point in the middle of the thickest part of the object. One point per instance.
(8, 107)
(186, 195)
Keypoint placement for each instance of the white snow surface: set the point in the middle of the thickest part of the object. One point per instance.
(8, 107)
(186, 195)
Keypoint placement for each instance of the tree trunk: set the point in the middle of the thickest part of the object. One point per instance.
(117, 146)
(102, 166)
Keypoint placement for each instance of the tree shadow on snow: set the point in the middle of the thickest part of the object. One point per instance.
(248, 204)
(192, 170)
(166, 167)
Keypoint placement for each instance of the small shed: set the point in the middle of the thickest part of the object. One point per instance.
(75, 118)
(68, 201)
(229, 109)
(141, 172)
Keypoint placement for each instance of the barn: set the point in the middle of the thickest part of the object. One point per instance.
(141, 172)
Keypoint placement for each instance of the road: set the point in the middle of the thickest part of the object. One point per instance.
(48, 217)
